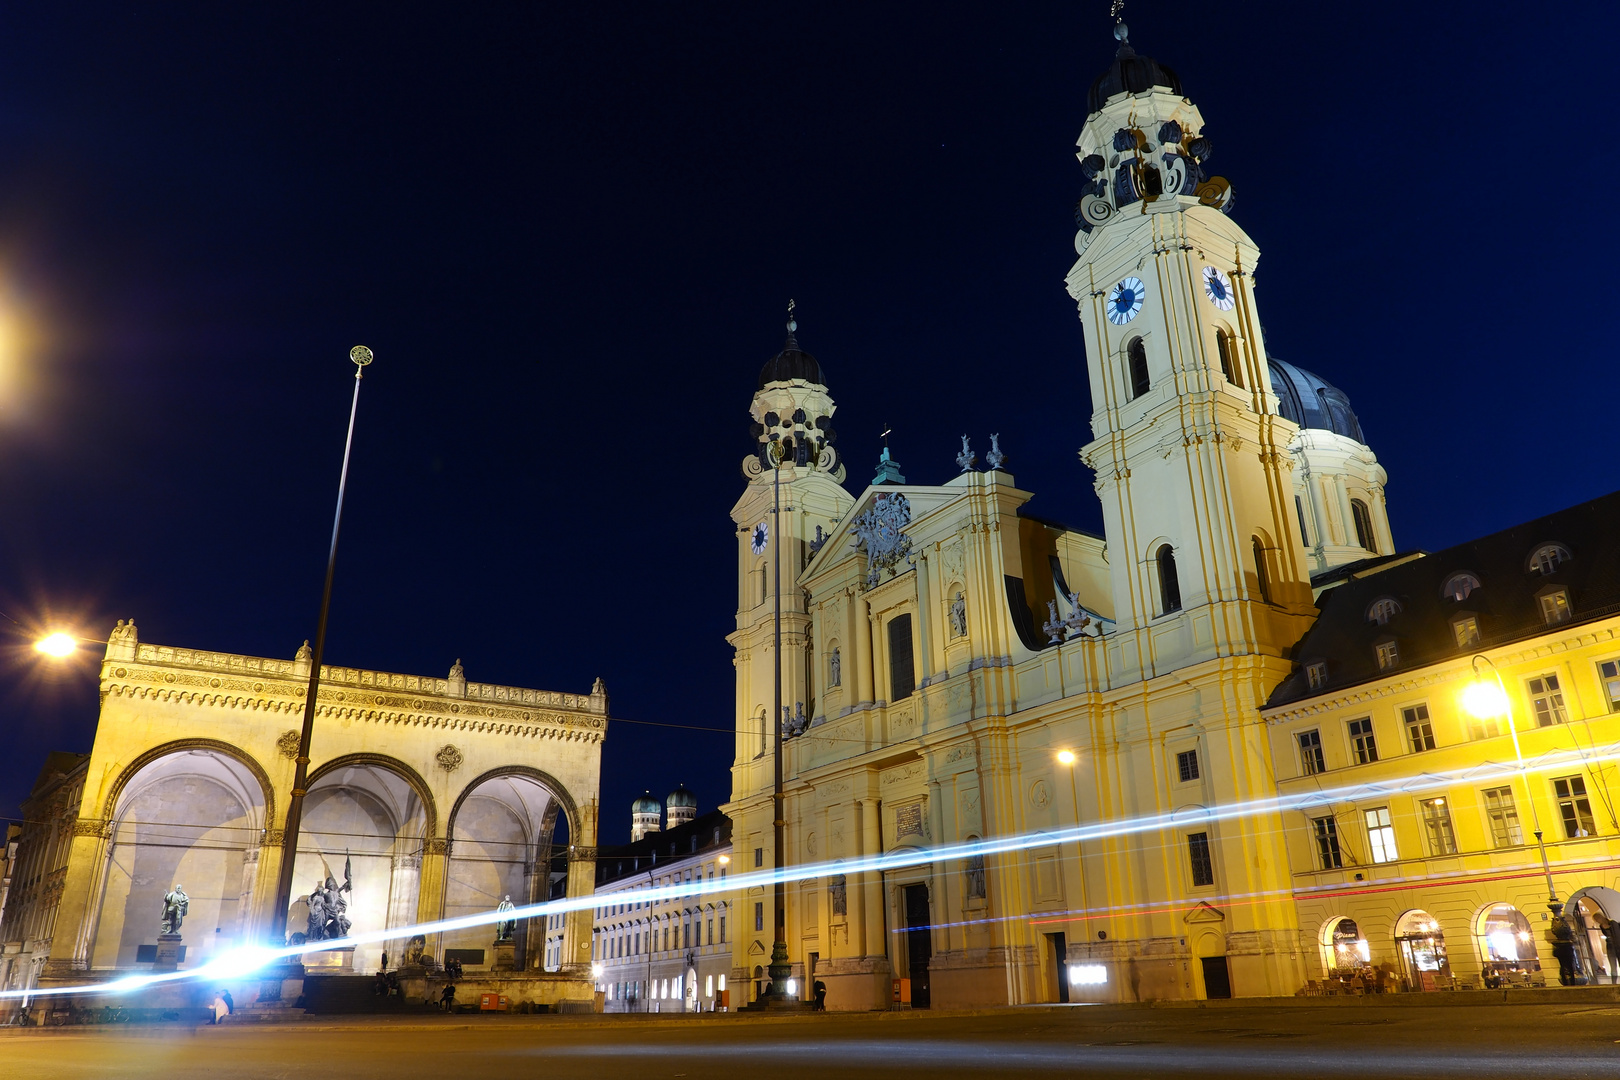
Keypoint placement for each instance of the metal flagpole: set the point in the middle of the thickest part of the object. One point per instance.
(361, 356)
(781, 968)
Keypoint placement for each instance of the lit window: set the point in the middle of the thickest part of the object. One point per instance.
(1362, 740)
(1203, 867)
(1310, 752)
(1383, 610)
(1458, 587)
(1503, 816)
(1418, 728)
(1380, 835)
(1364, 527)
(1316, 674)
(1610, 670)
(1466, 630)
(1187, 765)
(1389, 654)
(1548, 558)
(1555, 607)
(1574, 807)
(1327, 843)
(1437, 826)
(1547, 701)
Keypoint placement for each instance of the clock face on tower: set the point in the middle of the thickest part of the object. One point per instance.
(1218, 287)
(762, 536)
(1125, 300)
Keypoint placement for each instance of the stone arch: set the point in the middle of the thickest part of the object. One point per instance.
(179, 746)
(559, 791)
(393, 765)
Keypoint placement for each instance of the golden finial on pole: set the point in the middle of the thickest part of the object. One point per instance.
(361, 356)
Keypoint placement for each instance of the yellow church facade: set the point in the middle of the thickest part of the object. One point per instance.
(954, 668)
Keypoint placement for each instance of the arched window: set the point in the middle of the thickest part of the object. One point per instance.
(1137, 352)
(902, 670)
(1261, 580)
(1228, 352)
(1169, 584)
(1459, 586)
(1549, 557)
(1382, 610)
(1364, 526)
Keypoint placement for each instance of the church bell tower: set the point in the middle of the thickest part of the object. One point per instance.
(1189, 449)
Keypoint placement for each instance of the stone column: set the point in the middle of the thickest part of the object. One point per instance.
(861, 631)
(267, 868)
(404, 884)
(78, 910)
(579, 926)
(871, 888)
(430, 887)
(925, 624)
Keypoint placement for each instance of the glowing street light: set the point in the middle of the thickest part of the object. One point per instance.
(57, 645)
(1065, 757)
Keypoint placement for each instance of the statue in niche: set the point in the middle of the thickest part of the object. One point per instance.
(175, 905)
(836, 663)
(975, 877)
(959, 616)
(505, 929)
(328, 918)
(840, 897)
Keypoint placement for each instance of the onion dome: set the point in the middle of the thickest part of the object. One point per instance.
(646, 804)
(1129, 74)
(681, 797)
(792, 362)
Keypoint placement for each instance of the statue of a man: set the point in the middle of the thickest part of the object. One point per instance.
(316, 928)
(836, 663)
(505, 928)
(175, 905)
(337, 922)
(959, 616)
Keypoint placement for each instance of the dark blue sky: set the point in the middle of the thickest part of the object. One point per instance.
(569, 232)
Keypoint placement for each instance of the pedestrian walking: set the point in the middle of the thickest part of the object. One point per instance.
(447, 997)
(821, 996)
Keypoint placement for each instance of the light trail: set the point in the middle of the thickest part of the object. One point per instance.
(242, 962)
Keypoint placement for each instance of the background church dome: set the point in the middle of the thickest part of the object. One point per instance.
(791, 363)
(1311, 401)
(646, 804)
(681, 797)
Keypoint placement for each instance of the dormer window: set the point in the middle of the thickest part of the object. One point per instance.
(1548, 558)
(1466, 630)
(1382, 610)
(1389, 654)
(1316, 674)
(1458, 587)
(1555, 607)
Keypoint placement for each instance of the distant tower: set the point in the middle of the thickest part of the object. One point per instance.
(644, 816)
(681, 807)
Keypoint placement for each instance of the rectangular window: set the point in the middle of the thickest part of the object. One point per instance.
(1388, 655)
(711, 931)
(1310, 753)
(1203, 868)
(1327, 843)
(722, 929)
(1555, 607)
(1437, 826)
(1380, 835)
(1547, 701)
(1610, 671)
(759, 915)
(759, 856)
(1573, 806)
(902, 674)
(1316, 675)
(1418, 728)
(1483, 728)
(1187, 765)
(1362, 741)
(1467, 631)
(1503, 817)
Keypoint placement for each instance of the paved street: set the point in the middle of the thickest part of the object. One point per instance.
(1327, 1041)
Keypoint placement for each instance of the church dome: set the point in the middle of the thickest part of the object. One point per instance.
(1311, 401)
(1130, 74)
(791, 363)
(681, 797)
(646, 804)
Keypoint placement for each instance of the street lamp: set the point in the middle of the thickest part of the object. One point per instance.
(58, 646)
(1487, 699)
(781, 967)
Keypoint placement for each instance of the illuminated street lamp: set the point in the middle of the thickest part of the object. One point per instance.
(58, 646)
(1487, 699)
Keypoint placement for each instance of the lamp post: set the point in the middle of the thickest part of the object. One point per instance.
(781, 967)
(360, 356)
(1485, 700)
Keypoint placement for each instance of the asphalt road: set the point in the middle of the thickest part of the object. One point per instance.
(1250, 1043)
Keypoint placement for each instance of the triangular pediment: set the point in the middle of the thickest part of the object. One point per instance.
(757, 948)
(924, 500)
(1205, 912)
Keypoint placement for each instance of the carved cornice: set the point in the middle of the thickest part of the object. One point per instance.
(581, 853)
(86, 826)
(274, 838)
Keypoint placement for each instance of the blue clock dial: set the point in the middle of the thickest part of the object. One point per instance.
(1218, 287)
(762, 536)
(1125, 300)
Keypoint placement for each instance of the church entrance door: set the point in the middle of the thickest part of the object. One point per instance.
(919, 943)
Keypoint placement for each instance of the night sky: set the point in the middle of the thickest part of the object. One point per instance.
(570, 232)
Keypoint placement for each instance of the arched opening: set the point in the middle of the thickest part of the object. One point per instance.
(1228, 355)
(508, 834)
(1169, 583)
(1594, 916)
(366, 820)
(1422, 947)
(189, 817)
(1364, 525)
(1344, 949)
(1262, 579)
(1507, 946)
(1136, 353)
